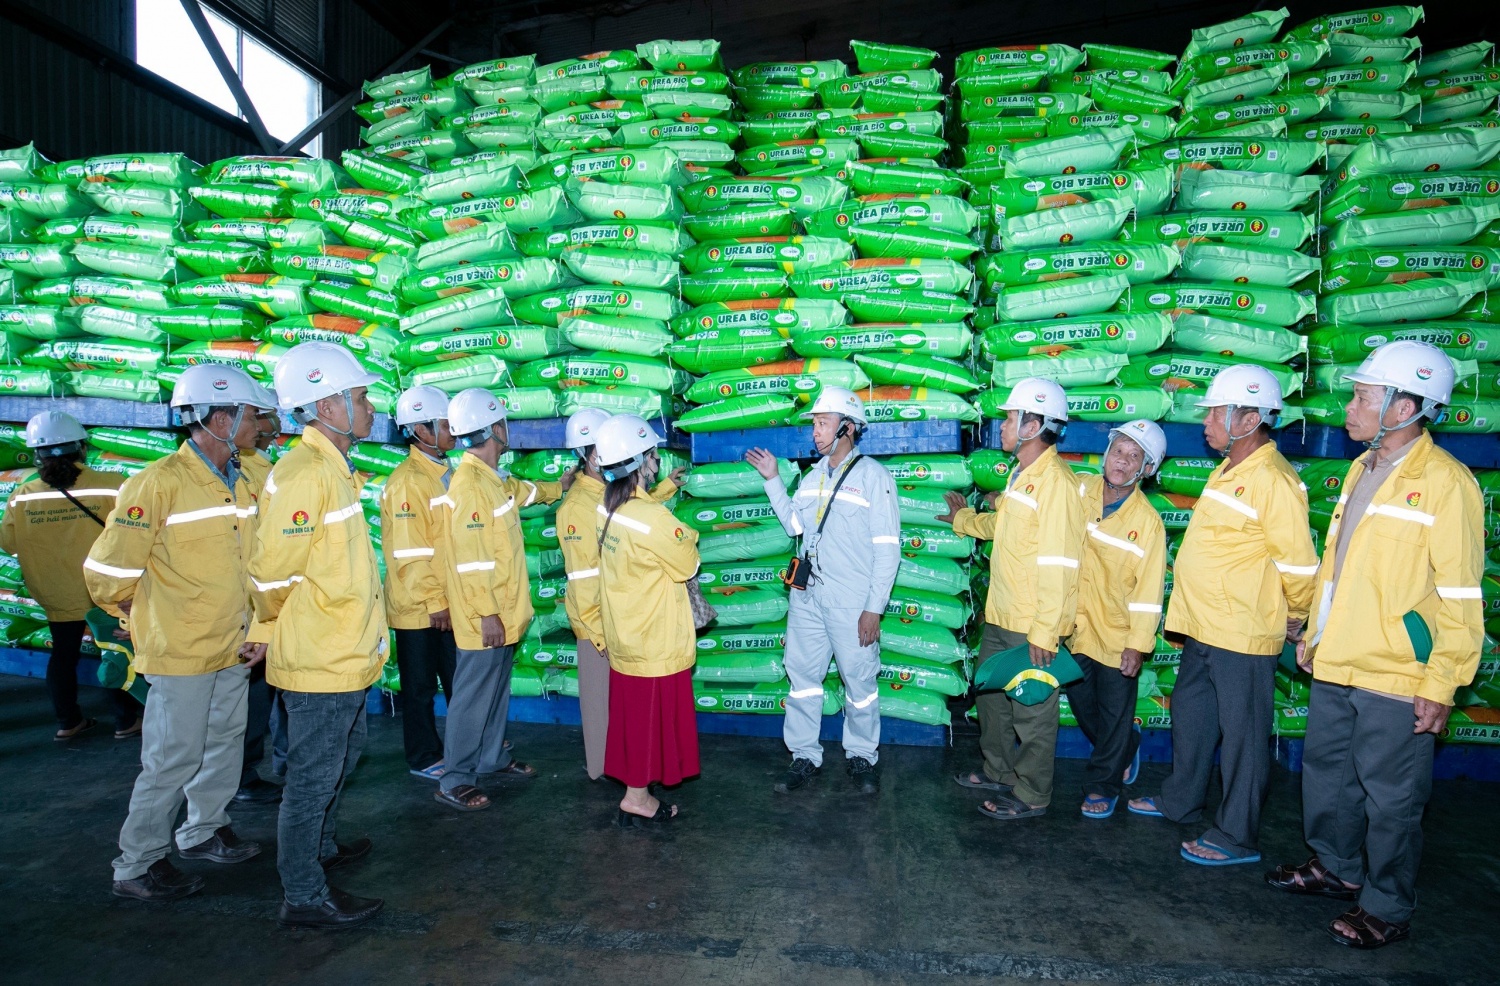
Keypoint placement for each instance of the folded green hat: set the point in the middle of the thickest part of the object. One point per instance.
(1012, 672)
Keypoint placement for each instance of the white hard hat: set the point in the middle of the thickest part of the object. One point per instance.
(622, 438)
(1037, 396)
(840, 401)
(54, 428)
(474, 410)
(1418, 368)
(311, 371)
(1148, 435)
(420, 405)
(1244, 385)
(267, 397)
(583, 427)
(206, 385)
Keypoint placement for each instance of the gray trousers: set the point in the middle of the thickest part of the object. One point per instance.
(474, 740)
(1365, 779)
(192, 743)
(815, 633)
(1103, 702)
(1018, 741)
(1223, 700)
(593, 704)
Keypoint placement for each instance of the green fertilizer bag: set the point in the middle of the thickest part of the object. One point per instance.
(1086, 152)
(734, 413)
(1138, 262)
(616, 333)
(1352, 343)
(546, 308)
(1441, 226)
(1288, 230)
(920, 606)
(516, 344)
(739, 606)
(1276, 306)
(602, 368)
(915, 674)
(784, 314)
(1231, 337)
(1276, 267)
(939, 540)
(893, 273)
(1132, 335)
(732, 480)
(765, 540)
(930, 573)
(949, 340)
(1069, 368)
(1085, 223)
(46, 259)
(1059, 299)
(991, 468)
(713, 350)
(884, 404)
(1443, 150)
(712, 516)
(916, 370)
(1358, 267)
(209, 258)
(454, 375)
(787, 378)
(1281, 156)
(1415, 300)
(514, 277)
(1241, 190)
(473, 309)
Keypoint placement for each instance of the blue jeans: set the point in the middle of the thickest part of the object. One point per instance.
(325, 733)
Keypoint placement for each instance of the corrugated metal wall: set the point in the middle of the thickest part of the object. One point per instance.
(72, 106)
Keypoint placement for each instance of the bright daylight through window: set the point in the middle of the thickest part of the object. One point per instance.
(286, 98)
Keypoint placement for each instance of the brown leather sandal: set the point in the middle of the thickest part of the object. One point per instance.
(465, 797)
(1370, 932)
(1311, 879)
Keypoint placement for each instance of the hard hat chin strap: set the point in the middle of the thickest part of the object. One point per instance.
(411, 433)
(1134, 480)
(234, 429)
(1229, 412)
(308, 417)
(1428, 409)
(624, 469)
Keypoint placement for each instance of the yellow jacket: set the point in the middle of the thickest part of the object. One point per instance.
(414, 539)
(1419, 546)
(1037, 528)
(487, 570)
(255, 467)
(1120, 583)
(647, 558)
(51, 537)
(176, 545)
(314, 574)
(1246, 563)
(580, 548)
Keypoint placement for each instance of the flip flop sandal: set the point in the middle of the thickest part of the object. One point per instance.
(1154, 811)
(1230, 860)
(1094, 799)
(1133, 773)
(1311, 879)
(1019, 809)
(1370, 931)
(460, 798)
(966, 780)
(435, 772)
(134, 729)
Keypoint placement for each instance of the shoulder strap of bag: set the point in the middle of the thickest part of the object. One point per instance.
(75, 501)
(834, 495)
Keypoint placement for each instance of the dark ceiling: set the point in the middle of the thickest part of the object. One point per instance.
(752, 30)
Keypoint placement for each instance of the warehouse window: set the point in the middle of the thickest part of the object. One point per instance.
(286, 98)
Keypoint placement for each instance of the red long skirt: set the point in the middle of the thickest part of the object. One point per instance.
(653, 729)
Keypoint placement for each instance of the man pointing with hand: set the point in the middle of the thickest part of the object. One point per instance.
(845, 513)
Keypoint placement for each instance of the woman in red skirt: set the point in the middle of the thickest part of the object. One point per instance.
(646, 558)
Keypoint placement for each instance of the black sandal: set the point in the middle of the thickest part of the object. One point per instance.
(1311, 879)
(462, 798)
(664, 813)
(1370, 932)
(514, 771)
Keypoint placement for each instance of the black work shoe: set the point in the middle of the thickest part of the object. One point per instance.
(258, 792)
(358, 849)
(339, 910)
(799, 773)
(862, 772)
(162, 881)
(224, 847)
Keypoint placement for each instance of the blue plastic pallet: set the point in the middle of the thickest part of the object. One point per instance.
(893, 438)
(96, 412)
(549, 433)
(1313, 441)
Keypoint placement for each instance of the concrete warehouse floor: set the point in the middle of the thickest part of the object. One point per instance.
(820, 887)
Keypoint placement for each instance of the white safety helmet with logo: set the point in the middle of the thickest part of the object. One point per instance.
(1407, 366)
(267, 406)
(424, 405)
(206, 386)
(471, 412)
(311, 371)
(622, 444)
(1149, 436)
(1248, 387)
(1034, 395)
(583, 428)
(54, 433)
(840, 401)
